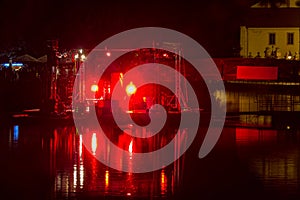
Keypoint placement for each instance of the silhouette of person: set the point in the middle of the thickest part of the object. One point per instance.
(258, 55)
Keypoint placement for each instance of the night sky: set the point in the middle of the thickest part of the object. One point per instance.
(84, 24)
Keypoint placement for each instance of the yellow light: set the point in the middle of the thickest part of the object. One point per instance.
(163, 182)
(130, 89)
(94, 88)
(83, 57)
(106, 178)
(121, 79)
(130, 148)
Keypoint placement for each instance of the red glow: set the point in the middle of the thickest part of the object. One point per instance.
(115, 77)
(257, 73)
(247, 135)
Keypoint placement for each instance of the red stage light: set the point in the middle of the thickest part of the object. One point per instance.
(130, 89)
(94, 88)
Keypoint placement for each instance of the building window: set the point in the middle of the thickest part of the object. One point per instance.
(290, 38)
(272, 38)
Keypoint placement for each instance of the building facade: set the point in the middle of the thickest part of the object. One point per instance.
(271, 31)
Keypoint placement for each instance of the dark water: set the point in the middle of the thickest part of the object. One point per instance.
(44, 161)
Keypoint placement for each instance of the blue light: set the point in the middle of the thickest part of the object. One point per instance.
(13, 65)
(16, 132)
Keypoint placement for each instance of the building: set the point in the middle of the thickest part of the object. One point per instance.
(271, 30)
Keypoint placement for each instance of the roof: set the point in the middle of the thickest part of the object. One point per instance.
(43, 59)
(268, 17)
(26, 58)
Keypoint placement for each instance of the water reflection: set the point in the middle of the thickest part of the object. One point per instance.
(262, 100)
(52, 162)
(273, 156)
(13, 136)
(16, 133)
(88, 176)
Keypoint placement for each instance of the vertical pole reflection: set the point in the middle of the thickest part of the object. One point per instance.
(81, 174)
(78, 169)
(13, 137)
(16, 133)
(106, 180)
(163, 183)
(130, 148)
(81, 167)
(129, 185)
(74, 177)
(80, 146)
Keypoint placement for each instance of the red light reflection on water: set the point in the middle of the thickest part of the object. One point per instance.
(246, 135)
(77, 170)
(272, 155)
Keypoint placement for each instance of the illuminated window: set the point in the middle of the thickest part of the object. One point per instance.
(290, 38)
(272, 38)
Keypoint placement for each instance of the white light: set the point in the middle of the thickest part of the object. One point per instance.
(130, 148)
(94, 88)
(94, 143)
(108, 53)
(130, 89)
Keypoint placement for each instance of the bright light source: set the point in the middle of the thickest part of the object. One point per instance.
(94, 143)
(80, 51)
(108, 54)
(130, 147)
(165, 55)
(13, 65)
(106, 178)
(83, 57)
(94, 88)
(76, 56)
(130, 89)
(121, 79)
